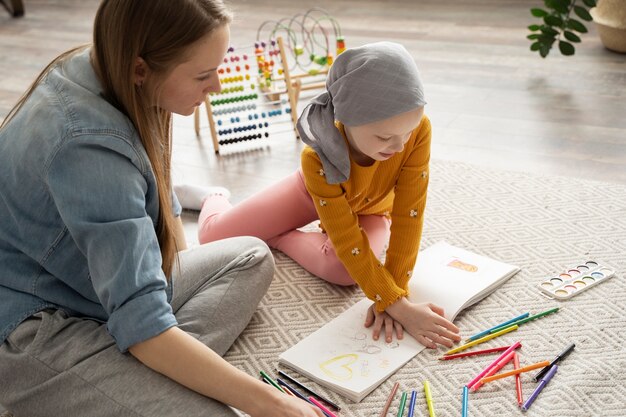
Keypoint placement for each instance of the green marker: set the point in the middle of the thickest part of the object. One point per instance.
(271, 381)
(527, 319)
(402, 404)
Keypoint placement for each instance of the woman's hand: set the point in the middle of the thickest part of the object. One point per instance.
(379, 320)
(283, 405)
(425, 322)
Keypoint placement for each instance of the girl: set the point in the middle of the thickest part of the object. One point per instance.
(364, 176)
(103, 311)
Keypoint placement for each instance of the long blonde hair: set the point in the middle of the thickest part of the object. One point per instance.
(160, 32)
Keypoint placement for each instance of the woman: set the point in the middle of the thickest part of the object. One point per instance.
(104, 312)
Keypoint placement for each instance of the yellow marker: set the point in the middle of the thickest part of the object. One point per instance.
(429, 399)
(482, 339)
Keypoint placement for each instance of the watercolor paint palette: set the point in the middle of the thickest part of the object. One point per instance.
(575, 280)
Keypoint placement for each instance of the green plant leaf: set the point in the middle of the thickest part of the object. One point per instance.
(576, 25)
(535, 46)
(561, 6)
(552, 20)
(566, 48)
(544, 50)
(571, 36)
(549, 31)
(533, 28)
(590, 3)
(583, 13)
(533, 36)
(538, 12)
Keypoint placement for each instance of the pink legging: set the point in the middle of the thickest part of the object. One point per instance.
(274, 214)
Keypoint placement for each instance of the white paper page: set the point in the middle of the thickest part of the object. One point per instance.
(450, 277)
(343, 353)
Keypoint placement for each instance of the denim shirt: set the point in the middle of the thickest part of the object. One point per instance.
(78, 211)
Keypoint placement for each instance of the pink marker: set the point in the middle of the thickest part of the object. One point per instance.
(494, 363)
(494, 369)
(321, 407)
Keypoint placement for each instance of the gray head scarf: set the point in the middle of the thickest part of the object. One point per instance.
(365, 84)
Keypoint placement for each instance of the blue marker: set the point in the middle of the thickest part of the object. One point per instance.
(412, 403)
(486, 332)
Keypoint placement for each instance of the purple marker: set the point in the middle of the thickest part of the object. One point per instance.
(542, 383)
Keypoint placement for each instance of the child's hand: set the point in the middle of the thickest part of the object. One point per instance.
(382, 319)
(425, 322)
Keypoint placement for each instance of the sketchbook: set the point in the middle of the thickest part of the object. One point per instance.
(343, 357)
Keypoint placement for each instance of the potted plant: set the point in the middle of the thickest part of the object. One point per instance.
(562, 22)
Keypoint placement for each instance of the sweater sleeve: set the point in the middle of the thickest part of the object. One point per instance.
(349, 241)
(407, 216)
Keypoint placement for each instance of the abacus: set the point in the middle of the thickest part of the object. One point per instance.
(260, 92)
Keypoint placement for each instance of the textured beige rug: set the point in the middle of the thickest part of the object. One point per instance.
(542, 224)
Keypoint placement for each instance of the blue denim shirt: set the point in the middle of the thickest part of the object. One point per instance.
(78, 210)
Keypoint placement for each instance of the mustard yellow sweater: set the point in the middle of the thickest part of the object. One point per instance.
(396, 188)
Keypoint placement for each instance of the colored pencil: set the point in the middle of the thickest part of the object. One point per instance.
(321, 407)
(492, 364)
(402, 404)
(389, 399)
(429, 399)
(304, 387)
(518, 381)
(515, 371)
(508, 358)
(481, 340)
(527, 319)
(556, 360)
(486, 332)
(464, 402)
(271, 381)
(473, 353)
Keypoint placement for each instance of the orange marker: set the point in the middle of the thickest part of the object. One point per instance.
(515, 371)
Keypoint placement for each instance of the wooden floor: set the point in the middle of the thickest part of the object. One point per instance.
(492, 102)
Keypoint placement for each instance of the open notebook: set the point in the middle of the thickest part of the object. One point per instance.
(342, 355)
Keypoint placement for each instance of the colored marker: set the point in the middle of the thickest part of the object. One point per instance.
(508, 358)
(515, 371)
(527, 319)
(518, 381)
(389, 399)
(304, 387)
(486, 332)
(492, 364)
(481, 340)
(429, 399)
(402, 404)
(296, 393)
(473, 353)
(271, 381)
(556, 360)
(321, 407)
(465, 395)
(412, 403)
(541, 385)
(292, 389)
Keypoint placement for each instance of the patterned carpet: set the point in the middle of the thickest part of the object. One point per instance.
(543, 225)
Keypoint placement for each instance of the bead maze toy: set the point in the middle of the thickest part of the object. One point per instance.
(261, 84)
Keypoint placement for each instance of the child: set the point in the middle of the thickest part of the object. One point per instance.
(90, 234)
(364, 175)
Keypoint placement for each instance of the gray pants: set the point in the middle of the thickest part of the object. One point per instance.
(54, 365)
